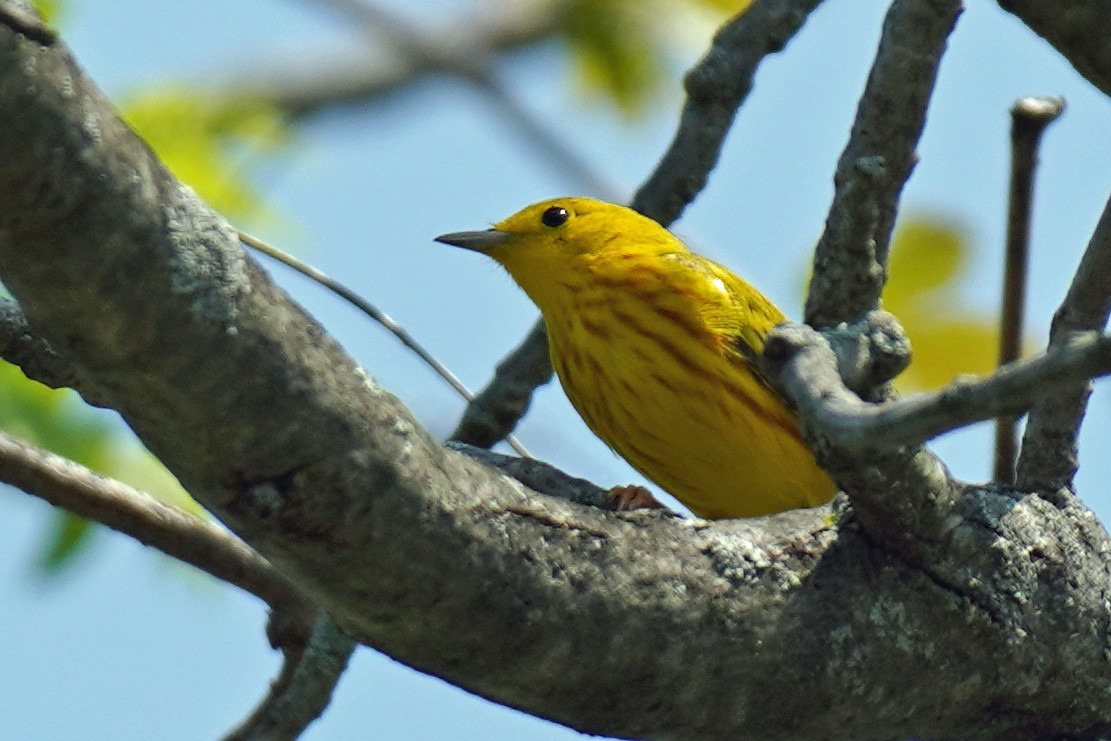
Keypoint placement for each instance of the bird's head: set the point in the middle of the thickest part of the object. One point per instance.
(554, 243)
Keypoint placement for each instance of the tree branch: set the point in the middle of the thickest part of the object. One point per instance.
(176, 533)
(1076, 28)
(499, 406)
(851, 257)
(1048, 460)
(19, 345)
(1029, 119)
(808, 369)
(303, 688)
(716, 87)
(469, 63)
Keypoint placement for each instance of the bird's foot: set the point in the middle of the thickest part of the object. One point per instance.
(625, 498)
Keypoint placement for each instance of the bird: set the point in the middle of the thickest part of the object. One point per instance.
(656, 348)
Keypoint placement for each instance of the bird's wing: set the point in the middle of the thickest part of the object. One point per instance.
(736, 311)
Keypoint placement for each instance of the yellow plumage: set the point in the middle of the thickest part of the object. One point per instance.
(652, 344)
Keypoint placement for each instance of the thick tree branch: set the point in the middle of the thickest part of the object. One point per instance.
(639, 627)
(1076, 28)
(1049, 446)
(19, 345)
(851, 257)
(716, 87)
(874, 449)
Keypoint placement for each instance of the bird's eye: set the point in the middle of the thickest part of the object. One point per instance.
(554, 216)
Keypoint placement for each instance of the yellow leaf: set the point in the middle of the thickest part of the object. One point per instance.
(725, 7)
(926, 255)
(927, 260)
(48, 10)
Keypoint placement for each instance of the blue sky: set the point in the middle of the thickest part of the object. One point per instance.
(131, 646)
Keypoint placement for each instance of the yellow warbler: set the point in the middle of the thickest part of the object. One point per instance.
(653, 345)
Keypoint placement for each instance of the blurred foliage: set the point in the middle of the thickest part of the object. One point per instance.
(619, 46)
(49, 10)
(928, 259)
(59, 421)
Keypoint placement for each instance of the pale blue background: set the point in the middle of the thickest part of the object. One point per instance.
(130, 646)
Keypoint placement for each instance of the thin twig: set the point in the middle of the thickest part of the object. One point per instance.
(374, 313)
(1076, 28)
(176, 533)
(807, 368)
(195, 541)
(1029, 119)
(500, 405)
(851, 257)
(303, 688)
(1048, 460)
(716, 87)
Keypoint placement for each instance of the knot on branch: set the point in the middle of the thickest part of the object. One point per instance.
(870, 351)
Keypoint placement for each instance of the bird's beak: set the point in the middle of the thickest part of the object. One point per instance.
(477, 241)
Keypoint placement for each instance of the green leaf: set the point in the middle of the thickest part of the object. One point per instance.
(59, 421)
(70, 536)
(729, 8)
(619, 48)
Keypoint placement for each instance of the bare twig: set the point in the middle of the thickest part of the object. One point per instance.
(374, 313)
(1029, 119)
(1049, 446)
(716, 86)
(176, 533)
(561, 610)
(303, 687)
(540, 476)
(503, 402)
(1076, 28)
(493, 414)
(808, 370)
(851, 257)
